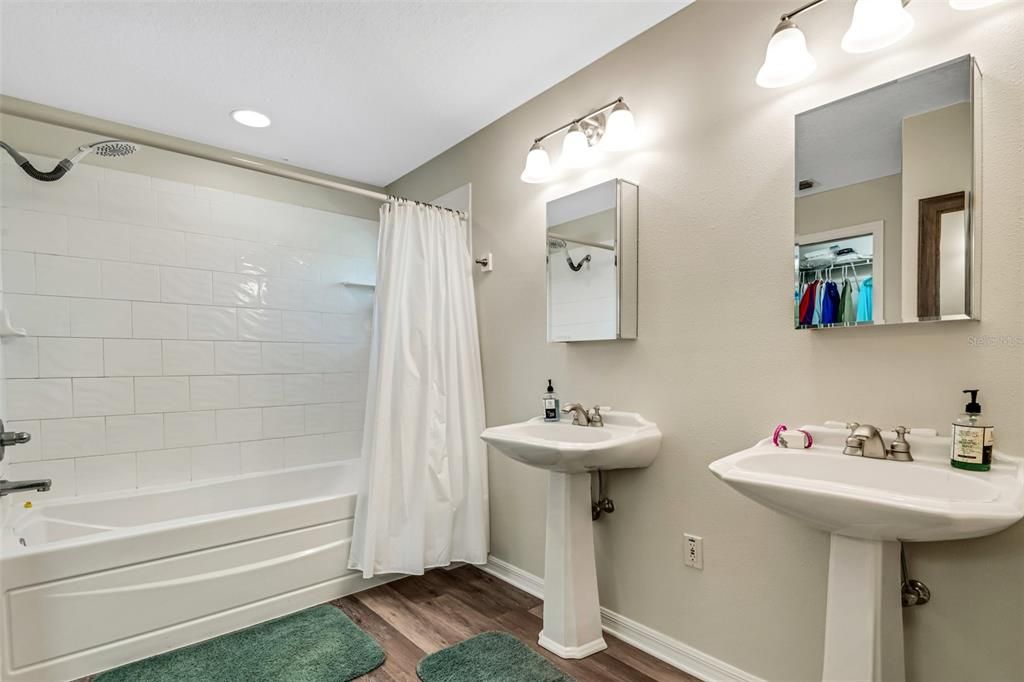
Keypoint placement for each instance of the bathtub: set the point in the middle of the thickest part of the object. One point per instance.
(91, 583)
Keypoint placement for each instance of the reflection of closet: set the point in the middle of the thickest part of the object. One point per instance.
(838, 277)
(836, 295)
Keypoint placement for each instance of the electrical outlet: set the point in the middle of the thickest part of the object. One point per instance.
(693, 546)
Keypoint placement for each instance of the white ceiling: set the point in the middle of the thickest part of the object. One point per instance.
(362, 90)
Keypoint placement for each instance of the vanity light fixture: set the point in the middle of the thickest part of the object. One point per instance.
(620, 131)
(586, 137)
(538, 165)
(876, 24)
(786, 61)
(248, 117)
(576, 150)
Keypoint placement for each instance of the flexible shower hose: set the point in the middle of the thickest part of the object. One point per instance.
(58, 172)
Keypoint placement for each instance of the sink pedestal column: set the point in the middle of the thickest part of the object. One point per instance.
(864, 616)
(572, 613)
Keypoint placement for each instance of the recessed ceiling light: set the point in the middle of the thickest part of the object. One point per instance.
(248, 117)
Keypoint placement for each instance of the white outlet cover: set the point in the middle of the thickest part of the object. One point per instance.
(693, 551)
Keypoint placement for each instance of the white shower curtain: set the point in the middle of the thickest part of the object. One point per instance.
(423, 499)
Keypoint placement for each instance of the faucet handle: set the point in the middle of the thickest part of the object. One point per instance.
(900, 449)
(595, 417)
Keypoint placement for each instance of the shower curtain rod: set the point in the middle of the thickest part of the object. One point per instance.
(226, 157)
(596, 245)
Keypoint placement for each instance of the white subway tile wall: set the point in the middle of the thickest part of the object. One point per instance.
(177, 332)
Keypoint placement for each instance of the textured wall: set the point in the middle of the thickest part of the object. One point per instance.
(178, 332)
(717, 362)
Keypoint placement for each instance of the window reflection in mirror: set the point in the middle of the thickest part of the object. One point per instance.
(886, 203)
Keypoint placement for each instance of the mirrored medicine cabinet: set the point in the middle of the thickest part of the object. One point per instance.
(888, 203)
(592, 263)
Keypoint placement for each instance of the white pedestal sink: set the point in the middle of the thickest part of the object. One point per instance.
(572, 613)
(869, 506)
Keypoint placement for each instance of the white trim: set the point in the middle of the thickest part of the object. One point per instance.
(572, 652)
(648, 640)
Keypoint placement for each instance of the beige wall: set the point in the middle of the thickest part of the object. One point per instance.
(717, 363)
(936, 160)
(863, 202)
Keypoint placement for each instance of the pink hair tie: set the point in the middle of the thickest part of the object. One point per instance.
(808, 438)
(775, 436)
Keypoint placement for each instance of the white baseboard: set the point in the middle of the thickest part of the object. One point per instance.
(648, 640)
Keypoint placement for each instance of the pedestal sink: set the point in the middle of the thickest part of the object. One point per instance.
(869, 506)
(572, 613)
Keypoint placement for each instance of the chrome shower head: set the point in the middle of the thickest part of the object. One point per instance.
(113, 148)
(555, 244)
(110, 149)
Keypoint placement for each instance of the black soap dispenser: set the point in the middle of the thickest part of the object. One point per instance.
(973, 438)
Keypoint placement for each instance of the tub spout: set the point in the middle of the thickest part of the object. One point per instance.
(40, 485)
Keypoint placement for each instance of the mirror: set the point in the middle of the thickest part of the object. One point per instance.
(887, 204)
(592, 263)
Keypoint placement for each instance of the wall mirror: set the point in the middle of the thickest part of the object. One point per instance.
(592, 263)
(887, 203)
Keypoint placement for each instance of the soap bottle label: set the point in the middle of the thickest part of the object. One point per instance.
(972, 444)
(551, 409)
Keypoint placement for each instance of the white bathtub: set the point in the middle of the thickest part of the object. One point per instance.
(91, 583)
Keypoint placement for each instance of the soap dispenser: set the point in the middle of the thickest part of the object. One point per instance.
(551, 404)
(973, 439)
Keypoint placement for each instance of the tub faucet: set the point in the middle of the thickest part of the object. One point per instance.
(40, 485)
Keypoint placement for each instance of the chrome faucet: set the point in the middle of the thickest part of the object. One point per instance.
(580, 416)
(40, 485)
(865, 440)
(10, 439)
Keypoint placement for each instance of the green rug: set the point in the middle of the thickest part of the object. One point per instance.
(490, 657)
(316, 645)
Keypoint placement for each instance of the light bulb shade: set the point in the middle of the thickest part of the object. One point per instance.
(538, 165)
(576, 152)
(787, 60)
(619, 130)
(877, 24)
(967, 5)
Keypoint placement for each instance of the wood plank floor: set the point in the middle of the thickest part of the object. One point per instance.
(419, 615)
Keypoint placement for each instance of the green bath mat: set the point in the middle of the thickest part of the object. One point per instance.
(490, 657)
(316, 645)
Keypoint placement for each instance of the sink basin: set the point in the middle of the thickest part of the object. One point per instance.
(869, 506)
(879, 499)
(572, 611)
(626, 441)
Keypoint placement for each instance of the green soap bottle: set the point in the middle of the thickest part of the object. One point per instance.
(973, 438)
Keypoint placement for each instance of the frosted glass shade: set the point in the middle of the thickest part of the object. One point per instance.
(619, 130)
(967, 5)
(538, 165)
(877, 24)
(786, 61)
(576, 151)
